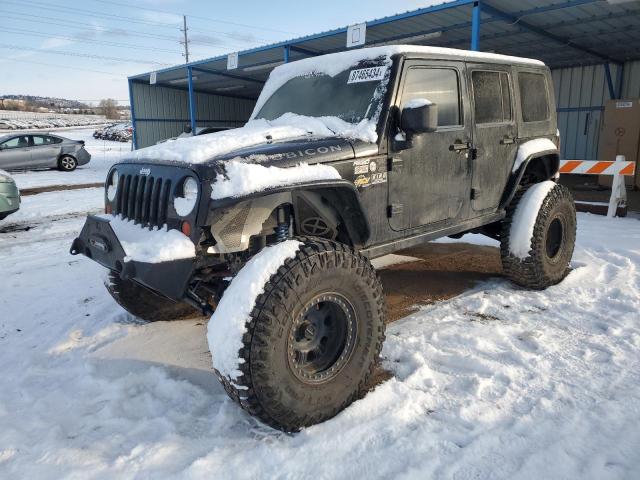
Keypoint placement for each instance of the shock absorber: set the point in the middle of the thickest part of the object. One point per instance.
(282, 230)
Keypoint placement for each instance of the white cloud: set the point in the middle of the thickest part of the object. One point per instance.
(55, 42)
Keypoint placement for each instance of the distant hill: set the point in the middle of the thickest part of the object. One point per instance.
(47, 102)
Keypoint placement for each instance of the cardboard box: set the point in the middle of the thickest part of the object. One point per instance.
(620, 135)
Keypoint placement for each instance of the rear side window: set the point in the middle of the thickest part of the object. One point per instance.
(440, 86)
(492, 98)
(534, 99)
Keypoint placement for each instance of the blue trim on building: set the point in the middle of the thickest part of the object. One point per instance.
(607, 75)
(134, 138)
(225, 74)
(580, 109)
(192, 101)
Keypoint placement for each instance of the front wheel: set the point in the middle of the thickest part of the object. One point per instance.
(311, 338)
(145, 304)
(538, 236)
(67, 163)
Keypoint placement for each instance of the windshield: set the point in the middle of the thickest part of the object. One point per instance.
(353, 95)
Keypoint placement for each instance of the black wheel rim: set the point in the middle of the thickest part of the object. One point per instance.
(555, 237)
(322, 338)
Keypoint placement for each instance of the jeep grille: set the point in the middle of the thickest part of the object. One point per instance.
(143, 199)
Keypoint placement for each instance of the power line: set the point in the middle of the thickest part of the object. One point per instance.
(65, 23)
(86, 40)
(66, 67)
(207, 19)
(85, 12)
(84, 55)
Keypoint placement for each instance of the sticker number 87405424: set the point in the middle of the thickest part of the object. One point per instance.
(367, 74)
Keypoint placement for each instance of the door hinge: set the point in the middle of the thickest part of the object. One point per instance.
(473, 153)
(394, 209)
(475, 194)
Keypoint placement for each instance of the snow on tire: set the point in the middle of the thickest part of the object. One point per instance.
(305, 345)
(538, 236)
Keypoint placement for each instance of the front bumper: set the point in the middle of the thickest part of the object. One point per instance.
(99, 242)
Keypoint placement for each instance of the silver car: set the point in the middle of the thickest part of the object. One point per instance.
(41, 150)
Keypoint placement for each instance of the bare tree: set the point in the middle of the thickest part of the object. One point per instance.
(109, 108)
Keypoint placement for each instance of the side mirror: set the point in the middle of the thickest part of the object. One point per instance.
(419, 116)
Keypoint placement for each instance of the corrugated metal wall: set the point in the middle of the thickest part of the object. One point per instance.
(163, 112)
(581, 93)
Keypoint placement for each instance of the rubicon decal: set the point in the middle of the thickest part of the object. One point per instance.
(312, 151)
(366, 74)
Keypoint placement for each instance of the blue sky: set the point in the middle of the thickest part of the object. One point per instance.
(85, 49)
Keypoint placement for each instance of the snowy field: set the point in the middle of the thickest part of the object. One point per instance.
(103, 154)
(498, 382)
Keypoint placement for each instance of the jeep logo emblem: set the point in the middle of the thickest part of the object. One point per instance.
(145, 171)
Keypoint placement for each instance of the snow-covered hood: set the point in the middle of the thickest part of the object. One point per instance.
(291, 137)
(265, 143)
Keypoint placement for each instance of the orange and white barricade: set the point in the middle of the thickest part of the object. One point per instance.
(618, 168)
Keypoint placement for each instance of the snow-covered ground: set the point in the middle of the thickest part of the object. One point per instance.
(103, 154)
(499, 382)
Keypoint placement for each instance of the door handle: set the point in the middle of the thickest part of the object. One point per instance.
(507, 140)
(459, 146)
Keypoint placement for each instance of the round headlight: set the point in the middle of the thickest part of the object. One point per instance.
(112, 187)
(185, 203)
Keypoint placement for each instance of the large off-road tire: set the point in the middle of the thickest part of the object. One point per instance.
(145, 304)
(313, 338)
(551, 243)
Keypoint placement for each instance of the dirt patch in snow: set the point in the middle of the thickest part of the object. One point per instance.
(25, 192)
(443, 271)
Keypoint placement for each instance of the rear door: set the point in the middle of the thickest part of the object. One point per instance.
(494, 133)
(429, 181)
(15, 153)
(44, 151)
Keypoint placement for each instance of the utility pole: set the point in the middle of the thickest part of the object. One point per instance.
(186, 39)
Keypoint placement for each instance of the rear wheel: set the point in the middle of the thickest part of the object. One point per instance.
(145, 304)
(67, 163)
(538, 236)
(312, 338)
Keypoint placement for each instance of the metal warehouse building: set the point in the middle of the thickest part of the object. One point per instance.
(592, 47)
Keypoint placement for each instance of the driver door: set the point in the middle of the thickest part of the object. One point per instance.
(429, 179)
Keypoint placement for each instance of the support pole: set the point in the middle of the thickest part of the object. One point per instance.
(186, 39)
(619, 78)
(475, 27)
(192, 101)
(618, 191)
(287, 53)
(607, 74)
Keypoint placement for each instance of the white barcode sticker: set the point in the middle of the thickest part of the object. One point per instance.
(624, 104)
(367, 74)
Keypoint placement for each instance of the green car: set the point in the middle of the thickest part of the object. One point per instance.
(9, 195)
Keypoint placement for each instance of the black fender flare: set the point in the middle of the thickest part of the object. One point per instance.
(341, 195)
(548, 171)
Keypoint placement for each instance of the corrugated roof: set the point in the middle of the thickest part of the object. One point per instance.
(560, 33)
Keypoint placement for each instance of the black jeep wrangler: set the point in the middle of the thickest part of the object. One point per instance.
(347, 157)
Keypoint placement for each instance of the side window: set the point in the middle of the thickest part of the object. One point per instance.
(534, 98)
(54, 139)
(492, 98)
(440, 86)
(39, 140)
(16, 142)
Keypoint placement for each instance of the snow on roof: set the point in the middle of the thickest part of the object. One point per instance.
(334, 63)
